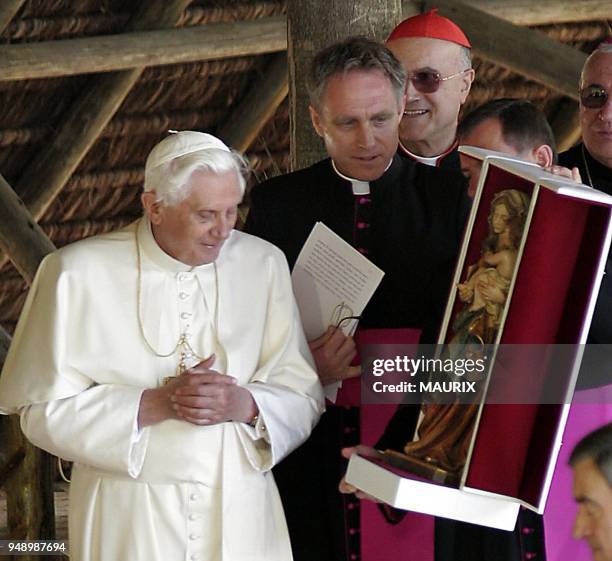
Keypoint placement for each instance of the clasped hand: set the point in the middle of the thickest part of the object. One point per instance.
(200, 396)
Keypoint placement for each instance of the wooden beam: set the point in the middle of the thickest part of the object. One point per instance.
(525, 51)
(21, 238)
(216, 41)
(545, 12)
(45, 177)
(9, 465)
(566, 125)
(8, 9)
(527, 12)
(5, 342)
(28, 474)
(47, 174)
(267, 93)
(29, 491)
(107, 53)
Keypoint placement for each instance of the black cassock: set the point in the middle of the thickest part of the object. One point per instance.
(596, 369)
(415, 224)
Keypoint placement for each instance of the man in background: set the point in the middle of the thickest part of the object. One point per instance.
(591, 461)
(436, 55)
(593, 157)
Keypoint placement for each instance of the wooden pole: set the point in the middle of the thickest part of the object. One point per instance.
(28, 472)
(250, 116)
(312, 25)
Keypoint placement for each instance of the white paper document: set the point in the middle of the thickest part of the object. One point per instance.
(332, 283)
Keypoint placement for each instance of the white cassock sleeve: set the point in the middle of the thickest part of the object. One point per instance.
(106, 414)
(285, 386)
(62, 410)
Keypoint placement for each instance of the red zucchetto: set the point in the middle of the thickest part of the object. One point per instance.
(430, 24)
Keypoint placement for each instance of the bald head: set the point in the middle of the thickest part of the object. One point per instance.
(596, 104)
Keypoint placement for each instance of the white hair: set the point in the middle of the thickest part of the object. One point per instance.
(466, 56)
(171, 180)
(603, 49)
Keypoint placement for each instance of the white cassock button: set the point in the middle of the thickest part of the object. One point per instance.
(193, 497)
(192, 517)
(182, 277)
(185, 315)
(193, 537)
(194, 556)
(183, 295)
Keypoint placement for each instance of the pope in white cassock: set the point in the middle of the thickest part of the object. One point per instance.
(167, 360)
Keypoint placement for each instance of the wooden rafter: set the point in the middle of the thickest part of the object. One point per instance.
(215, 41)
(20, 235)
(250, 116)
(8, 9)
(527, 12)
(5, 341)
(107, 53)
(525, 51)
(45, 177)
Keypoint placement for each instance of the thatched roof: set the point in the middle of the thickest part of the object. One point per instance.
(103, 193)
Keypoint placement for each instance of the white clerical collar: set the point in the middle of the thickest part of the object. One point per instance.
(359, 187)
(157, 255)
(428, 161)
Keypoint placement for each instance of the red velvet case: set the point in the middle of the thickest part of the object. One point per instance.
(550, 301)
(566, 239)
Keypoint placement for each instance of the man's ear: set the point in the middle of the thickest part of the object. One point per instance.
(316, 121)
(152, 207)
(466, 84)
(543, 155)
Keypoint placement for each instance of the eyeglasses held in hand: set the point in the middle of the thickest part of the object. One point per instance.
(428, 81)
(345, 322)
(593, 96)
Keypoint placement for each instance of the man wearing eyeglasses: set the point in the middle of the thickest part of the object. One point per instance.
(436, 55)
(593, 157)
(406, 217)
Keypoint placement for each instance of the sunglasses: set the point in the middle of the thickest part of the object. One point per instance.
(428, 81)
(593, 97)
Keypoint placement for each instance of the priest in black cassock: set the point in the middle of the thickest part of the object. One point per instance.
(593, 157)
(406, 217)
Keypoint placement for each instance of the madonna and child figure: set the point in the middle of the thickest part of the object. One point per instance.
(485, 288)
(446, 428)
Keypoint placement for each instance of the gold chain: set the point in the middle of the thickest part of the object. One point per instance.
(183, 342)
(586, 167)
